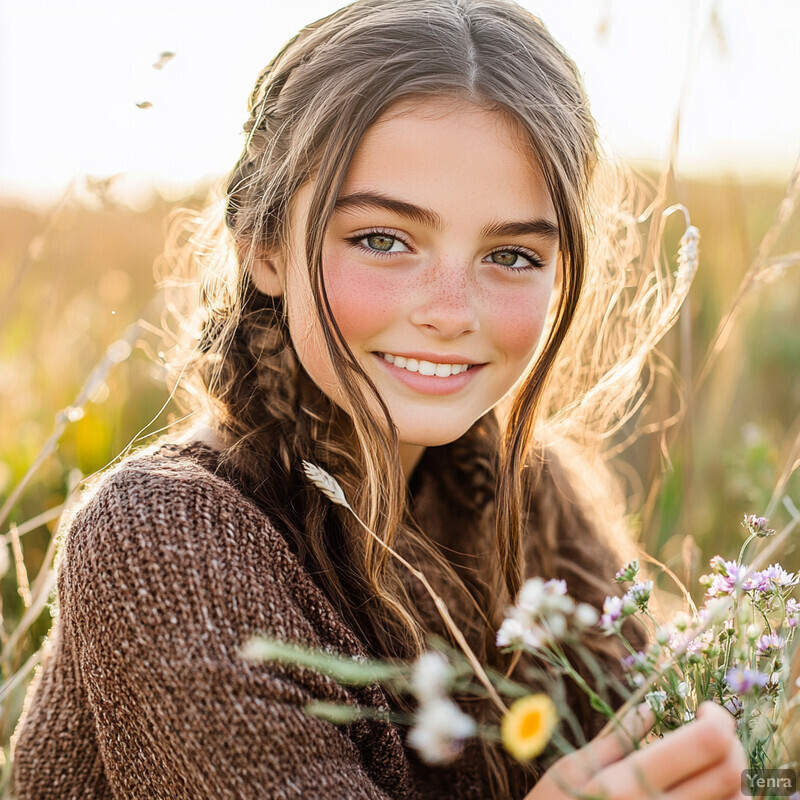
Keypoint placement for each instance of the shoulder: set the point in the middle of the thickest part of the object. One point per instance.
(163, 479)
(165, 509)
(161, 539)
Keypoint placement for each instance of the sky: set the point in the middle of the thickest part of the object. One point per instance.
(72, 73)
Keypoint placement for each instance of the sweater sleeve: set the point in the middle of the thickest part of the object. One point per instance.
(163, 577)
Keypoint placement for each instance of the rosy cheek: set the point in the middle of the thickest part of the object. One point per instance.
(516, 321)
(362, 299)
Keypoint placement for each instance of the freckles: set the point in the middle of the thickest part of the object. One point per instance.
(448, 286)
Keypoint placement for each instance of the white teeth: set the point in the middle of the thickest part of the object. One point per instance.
(428, 368)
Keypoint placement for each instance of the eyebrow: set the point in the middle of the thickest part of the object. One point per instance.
(424, 216)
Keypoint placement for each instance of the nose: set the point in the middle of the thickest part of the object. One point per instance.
(448, 303)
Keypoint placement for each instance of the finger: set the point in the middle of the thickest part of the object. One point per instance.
(680, 755)
(626, 735)
(579, 767)
(721, 782)
(710, 707)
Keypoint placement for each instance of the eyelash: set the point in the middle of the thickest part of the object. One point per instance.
(535, 261)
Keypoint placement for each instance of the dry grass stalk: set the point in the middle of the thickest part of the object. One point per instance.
(23, 586)
(762, 268)
(116, 353)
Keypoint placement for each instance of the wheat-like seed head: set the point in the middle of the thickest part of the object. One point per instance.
(326, 483)
(689, 254)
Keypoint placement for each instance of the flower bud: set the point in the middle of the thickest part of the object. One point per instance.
(628, 573)
(757, 526)
(681, 622)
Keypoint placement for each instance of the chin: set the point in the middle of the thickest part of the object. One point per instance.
(429, 437)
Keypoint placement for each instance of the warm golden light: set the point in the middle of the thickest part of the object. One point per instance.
(86, 89)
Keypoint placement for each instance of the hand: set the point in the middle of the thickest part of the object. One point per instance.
(702, 760)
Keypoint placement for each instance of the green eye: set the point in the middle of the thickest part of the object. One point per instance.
(379, 241)
(505, 258)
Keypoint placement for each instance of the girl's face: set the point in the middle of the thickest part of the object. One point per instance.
(439, 263)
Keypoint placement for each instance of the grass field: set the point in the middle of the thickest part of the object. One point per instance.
(74, 282)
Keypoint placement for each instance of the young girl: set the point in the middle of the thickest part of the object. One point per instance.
(405, 248)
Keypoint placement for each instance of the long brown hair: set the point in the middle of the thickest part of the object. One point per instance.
(308, 111)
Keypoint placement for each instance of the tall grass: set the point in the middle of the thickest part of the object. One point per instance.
(80, 383)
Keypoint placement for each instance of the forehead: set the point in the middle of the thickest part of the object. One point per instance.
(439, 145)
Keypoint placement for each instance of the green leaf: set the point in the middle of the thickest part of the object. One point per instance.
(598, 704)
(332, 712)
(341, 668)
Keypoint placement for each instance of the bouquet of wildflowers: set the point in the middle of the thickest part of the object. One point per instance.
(736, 649)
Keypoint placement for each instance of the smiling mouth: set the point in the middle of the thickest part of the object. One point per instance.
(428, 368)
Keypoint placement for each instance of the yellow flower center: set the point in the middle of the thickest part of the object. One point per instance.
(531, 723)
(527, 726)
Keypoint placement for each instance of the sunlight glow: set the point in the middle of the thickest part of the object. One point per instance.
(72, 74)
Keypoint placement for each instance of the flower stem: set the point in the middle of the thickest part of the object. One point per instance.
(747, 541)
(598, 701)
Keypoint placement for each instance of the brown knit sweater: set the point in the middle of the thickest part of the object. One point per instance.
(164, 572)
(168, 569)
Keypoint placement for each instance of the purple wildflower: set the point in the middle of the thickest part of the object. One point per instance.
(628, 573)
(629, 661)
(637, 662)
(743, 681)
(729, 575)
(757, 582)
(769, 643)
(691, 642)
(612, 613)
(734, 705)
(792, 612)
(779, 578)
(639, 594)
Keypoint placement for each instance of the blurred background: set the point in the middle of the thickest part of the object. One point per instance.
(114, 114)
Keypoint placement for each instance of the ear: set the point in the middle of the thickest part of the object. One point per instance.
(268, 274)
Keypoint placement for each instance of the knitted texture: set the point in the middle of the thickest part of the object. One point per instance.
(165, 571)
